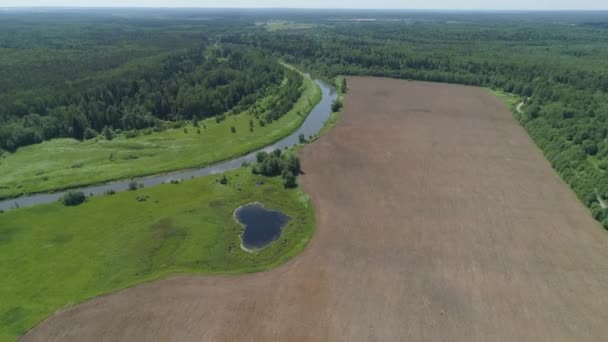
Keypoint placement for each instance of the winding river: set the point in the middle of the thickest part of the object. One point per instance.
(312, 125)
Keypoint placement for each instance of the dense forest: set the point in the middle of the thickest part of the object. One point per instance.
(195, 84)
(125, 89)
(179, 65)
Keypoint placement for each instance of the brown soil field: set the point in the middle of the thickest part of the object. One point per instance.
(438, 220)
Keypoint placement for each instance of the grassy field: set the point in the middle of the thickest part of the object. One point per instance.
(65, 163)
(511, 100)
(52, 256)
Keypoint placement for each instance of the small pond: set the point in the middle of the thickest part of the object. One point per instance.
(261, 226)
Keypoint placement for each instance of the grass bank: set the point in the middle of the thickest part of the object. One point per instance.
(67, 163)
(52, 256)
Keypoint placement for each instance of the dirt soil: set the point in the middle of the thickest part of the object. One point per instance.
(438, 220)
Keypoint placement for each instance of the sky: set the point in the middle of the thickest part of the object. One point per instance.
(366, 4)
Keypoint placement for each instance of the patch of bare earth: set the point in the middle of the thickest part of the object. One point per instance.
(438, 220)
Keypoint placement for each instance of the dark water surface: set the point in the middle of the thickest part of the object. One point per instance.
(311, 126)
(262, 226)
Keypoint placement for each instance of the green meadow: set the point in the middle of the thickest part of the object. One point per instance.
(65, 163)
(53, 256)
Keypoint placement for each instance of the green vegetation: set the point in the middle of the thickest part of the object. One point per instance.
(49, 165)
(197, 83)
(91, 97)
(72, 198)
(53, 256)
(510, 100)
(334, 116)
(286, 164)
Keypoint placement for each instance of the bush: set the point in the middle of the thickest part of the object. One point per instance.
(261, 156)
(336, 106)
(110, 192)
(107, 133)
(290, 162)
(232, 129)
(131, 134)
(223, 180)
(89, 133)
(302, 138)
(289, 180)
(276, 163)
(73, 198)
(133, 185)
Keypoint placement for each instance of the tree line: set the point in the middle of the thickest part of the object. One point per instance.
(191, 85)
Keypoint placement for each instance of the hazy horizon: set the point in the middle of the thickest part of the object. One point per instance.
(515, 5)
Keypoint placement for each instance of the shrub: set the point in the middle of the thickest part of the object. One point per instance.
(302, 138)
(73, 198)
(89, 133)
(133, 185)
(131, 134)
(289, 180)
(336, 106)
(110, 192)
(261, 156)
(107, 133)
(232, 129)
(223, 180)
(291, 163)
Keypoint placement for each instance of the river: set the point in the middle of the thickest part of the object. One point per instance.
(311, 126)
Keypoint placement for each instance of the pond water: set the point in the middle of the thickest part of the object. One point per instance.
(312, 125)
(261, 226)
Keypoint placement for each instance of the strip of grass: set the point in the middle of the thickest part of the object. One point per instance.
(52, 256)
(334, 117)
(511, 100)
(67, 163)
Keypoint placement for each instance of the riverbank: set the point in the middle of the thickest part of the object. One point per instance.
(67, 163)
(312, 124)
